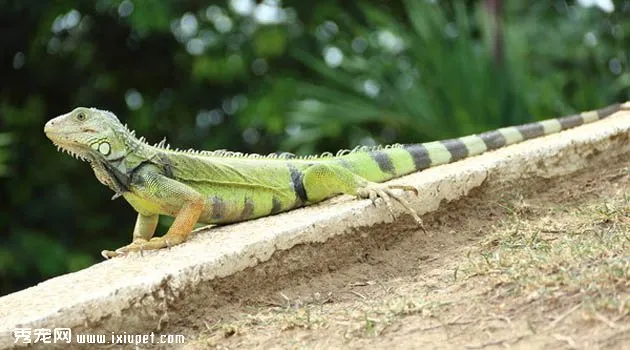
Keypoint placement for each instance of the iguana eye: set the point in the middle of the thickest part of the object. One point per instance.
(81, 116)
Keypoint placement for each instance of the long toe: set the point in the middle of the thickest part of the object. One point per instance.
(386, 193)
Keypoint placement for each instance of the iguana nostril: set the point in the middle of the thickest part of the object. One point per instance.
(48, 127)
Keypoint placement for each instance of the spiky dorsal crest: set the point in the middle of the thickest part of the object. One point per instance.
(107, 114)
(222, 153)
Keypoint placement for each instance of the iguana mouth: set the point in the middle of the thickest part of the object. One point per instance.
(64, 133)
(65, 144)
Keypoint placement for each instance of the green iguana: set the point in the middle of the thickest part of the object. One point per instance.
(217, 187)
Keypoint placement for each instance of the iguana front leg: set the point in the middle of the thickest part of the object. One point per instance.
(171, 196)
(142, 233)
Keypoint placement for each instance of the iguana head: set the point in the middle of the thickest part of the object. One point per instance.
(89, 134)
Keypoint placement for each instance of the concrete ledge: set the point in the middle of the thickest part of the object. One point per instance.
(128, 294)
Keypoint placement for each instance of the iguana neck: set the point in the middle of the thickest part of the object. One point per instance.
(116, 173)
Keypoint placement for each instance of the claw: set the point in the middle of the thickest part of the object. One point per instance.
(374, 191)
(404, 188)
(108, 254)
(373, 196)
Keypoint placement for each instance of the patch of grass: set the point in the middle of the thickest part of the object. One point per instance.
(581, 253)
(366, 317)
(371, 317)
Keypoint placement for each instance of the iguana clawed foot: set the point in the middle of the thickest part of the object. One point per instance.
(375, 190)
(141, 244)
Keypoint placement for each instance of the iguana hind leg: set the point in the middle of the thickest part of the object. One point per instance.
(373, 191)
(323, 180)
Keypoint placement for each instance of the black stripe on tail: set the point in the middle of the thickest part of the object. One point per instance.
(419, 155)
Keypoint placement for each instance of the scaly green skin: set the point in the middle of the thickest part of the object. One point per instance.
(224, 187)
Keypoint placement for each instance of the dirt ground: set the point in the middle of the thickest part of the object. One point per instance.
(536, 264)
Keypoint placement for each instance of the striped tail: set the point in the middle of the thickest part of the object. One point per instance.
(383, 164)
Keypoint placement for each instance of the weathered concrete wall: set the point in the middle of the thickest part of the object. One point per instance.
(129, 293)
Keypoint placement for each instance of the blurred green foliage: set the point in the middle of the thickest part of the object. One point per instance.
(270, 76)
(5, 139)
(436, 72)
